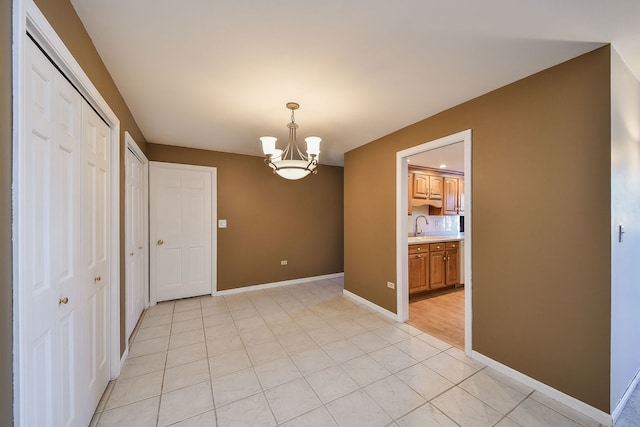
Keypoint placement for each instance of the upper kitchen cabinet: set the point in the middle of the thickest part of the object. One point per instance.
(427, 187)
(460, 196)
(435, 187)
(443, 192)
(453, 196)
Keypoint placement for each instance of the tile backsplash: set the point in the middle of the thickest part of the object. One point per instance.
(438, 225)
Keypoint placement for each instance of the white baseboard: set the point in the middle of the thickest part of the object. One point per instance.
(277, 284)
(371, 305)
(588, 410)
(123, 359)
(625, 397)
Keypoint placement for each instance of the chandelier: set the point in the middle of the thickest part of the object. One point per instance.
(291, 163)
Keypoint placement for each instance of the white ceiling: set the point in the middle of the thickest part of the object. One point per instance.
(216, 74)
(452, 156)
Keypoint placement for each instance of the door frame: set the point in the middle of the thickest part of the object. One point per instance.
(27, 18)
(153, 294)
(131, 144)
(402, 248)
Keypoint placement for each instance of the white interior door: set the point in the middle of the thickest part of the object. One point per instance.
(57, 209)
(181, 231)
(95, 219)
(135, 240)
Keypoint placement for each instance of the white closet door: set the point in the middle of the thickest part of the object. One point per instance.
(50, 273)
(181, 219)
(134, 235)
(96, 232)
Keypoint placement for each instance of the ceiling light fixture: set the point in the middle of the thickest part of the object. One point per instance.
(291, 163)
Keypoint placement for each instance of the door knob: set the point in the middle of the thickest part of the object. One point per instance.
(63, 300)
(131, 254)
(97, 279)
(160, 242)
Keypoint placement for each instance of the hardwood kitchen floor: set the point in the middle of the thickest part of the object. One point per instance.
(441, 316)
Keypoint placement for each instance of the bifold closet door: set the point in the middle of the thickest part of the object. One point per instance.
(56, 344)
(134, 235)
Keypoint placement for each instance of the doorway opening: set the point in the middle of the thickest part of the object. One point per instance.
(430, 219)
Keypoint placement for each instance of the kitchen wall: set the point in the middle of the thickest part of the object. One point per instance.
(541, 222)
(438, 225)
(625, 209)
(270, 218)
(6, 297)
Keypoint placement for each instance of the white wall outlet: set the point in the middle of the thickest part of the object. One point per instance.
(283, 262)
(391, 285)
(222, 223)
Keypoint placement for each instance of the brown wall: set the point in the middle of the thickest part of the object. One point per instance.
(64, 20)
(269, 218)
(541, 214)
(6, 300)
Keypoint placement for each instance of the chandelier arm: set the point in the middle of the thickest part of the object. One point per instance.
(302, 156)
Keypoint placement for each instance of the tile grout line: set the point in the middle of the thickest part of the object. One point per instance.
(164, 371)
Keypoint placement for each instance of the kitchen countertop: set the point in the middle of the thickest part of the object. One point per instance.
(434, 239)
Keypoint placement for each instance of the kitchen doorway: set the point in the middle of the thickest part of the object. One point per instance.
(432, 228)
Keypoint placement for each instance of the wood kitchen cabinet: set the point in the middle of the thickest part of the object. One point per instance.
(453, 203)
(426, 187)
(444, 265)
(443, 192)
(435, 187)
(436, 266)
(460, 196)
(410, 187)
(418, 268)
(452, 263)
(420, 188)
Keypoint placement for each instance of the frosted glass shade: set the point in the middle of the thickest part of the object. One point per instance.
(268, 144)
(293, 169)
(313, 145)
(276, 156)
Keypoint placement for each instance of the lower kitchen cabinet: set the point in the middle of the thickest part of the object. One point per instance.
(433, 266)
(437, 263)
(418, 268)
(444, 265)
(452, 263)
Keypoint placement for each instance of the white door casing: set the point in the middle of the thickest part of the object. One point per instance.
(136, 283)
(182, 235)
(402, 288)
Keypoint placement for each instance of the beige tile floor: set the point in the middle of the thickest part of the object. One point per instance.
(305, 355)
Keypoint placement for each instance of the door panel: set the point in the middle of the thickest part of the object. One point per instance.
(181, 230)
(49, 247)
(95, 153)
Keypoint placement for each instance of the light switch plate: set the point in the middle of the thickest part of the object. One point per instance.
(222, 223)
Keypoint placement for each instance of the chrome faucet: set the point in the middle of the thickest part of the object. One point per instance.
(426, 221)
